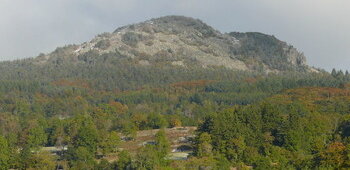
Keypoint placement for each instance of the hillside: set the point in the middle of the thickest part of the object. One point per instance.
(173, 93)
(185, 48)
(183, 41)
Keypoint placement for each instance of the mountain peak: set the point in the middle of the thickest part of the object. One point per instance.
(171, 24)
(181, 41)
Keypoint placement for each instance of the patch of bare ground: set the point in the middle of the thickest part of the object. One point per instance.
(177, 136)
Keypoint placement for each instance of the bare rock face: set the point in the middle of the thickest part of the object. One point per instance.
(295, 58)
(185, 42)
(273, 54)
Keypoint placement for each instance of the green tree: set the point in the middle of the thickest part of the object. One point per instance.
(147, 158)
(110, 144)
(37, 137)
(24, 161)
(129, 129)
(4, 154)
(203, 145)
(103, 165)
(58, 136)
(43, 160)
(334, 72)
(235, 149)
(124, 160)
(157, 121)
(162, 144)
(87, 136)
(82, 158)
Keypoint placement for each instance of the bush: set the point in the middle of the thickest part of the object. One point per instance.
(103, 44)
(131, 38)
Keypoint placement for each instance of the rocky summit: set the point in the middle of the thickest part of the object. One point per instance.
(185, 42)
(158, 52)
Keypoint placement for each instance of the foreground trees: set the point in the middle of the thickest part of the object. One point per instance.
(272, 135)
(4, 154)
(248, 121)
(153, 156)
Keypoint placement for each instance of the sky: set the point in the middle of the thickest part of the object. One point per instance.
(318, 28)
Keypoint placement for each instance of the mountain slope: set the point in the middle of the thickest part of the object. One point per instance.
(183, 41)
(162, 50)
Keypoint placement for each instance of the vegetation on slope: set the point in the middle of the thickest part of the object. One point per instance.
(254, 100)
(296, 124)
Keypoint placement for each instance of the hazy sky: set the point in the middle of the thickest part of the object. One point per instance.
(319, 28)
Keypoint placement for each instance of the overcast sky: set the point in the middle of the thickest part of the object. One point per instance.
(319, 28)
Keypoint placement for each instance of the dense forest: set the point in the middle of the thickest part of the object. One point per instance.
(248, 121)
(134, 98)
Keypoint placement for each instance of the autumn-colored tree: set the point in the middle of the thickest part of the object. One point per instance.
(140, 120)
(174, 122)
(118, 107)
(334, 155)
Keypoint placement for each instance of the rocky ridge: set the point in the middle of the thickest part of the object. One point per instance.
(186, 42)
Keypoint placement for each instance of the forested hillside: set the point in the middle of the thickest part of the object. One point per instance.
(157, 52)
(254, 100)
